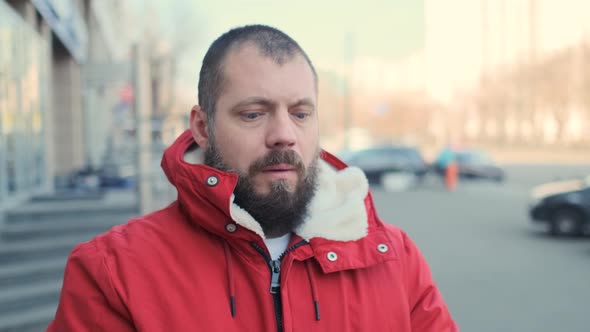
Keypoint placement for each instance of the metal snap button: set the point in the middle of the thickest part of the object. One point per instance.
(212, 181)
(231, 228)
(382, 248)
(332, 256)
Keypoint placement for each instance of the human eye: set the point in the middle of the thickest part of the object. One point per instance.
(250, 115)
(301, 115)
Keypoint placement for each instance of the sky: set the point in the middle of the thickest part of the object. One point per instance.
(384, 28)
(330, 31)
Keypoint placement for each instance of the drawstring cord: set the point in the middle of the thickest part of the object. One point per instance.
(230, 278)
(314, 294)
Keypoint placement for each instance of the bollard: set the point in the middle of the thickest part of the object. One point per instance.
(451, 176)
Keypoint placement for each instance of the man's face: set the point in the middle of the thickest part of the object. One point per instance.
(266, 130)
(266, 124)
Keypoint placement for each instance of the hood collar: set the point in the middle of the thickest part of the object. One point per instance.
(337, 212)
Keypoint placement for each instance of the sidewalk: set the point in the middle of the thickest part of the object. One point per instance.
(123, 200)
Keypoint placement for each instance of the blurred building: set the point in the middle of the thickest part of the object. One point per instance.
(107, 76)
(509, 71)
(64, 68)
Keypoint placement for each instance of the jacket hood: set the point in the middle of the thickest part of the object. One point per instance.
(338, 211)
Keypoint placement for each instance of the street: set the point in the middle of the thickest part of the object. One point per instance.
(495, 271)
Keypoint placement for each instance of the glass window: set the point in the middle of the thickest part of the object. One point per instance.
(24, 59)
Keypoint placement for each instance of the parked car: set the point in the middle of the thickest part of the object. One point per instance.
(564, 206)
(379, 162)
(475, 164)
(117, 176)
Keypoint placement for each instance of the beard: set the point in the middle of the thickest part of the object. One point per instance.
(283, 208)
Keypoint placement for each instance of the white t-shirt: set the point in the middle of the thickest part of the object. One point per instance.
(277, 245)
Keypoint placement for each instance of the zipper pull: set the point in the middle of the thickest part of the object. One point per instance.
(275, 268)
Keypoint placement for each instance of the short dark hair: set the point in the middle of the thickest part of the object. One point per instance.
(271, 42)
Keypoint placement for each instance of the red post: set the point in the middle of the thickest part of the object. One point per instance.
(451, 176)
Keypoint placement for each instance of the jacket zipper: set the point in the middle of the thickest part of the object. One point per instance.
(275, 278)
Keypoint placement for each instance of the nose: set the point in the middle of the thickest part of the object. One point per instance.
(281, 130)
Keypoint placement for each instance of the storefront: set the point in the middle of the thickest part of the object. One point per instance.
(24, 86)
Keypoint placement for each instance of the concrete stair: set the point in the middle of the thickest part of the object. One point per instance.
(35, 241)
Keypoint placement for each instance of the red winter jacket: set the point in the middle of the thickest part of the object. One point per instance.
(201, 265)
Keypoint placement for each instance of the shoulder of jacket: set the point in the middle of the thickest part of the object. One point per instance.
(394, 232)
(139, 233)
(398, 236)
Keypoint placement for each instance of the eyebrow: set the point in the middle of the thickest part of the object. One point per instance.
(268, 103)
(254, 101)
(303, 102)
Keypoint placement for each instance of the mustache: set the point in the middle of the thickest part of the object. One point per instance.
(275, 157)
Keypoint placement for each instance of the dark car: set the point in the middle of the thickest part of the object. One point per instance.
(378, 162)
(474, 164)
(117, 176)
(564, 206)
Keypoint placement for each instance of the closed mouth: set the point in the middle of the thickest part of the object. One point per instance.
(279, 168)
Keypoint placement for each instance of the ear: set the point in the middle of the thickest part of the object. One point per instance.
(198, 125)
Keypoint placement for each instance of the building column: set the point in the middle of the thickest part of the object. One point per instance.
(48, 113)
(68, 133)
(26, 9)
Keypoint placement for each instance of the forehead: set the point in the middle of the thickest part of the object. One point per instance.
(247, 71)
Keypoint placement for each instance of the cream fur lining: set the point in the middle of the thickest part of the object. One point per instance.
(337, 211)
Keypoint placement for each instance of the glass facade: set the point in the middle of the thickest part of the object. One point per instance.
(24, 83)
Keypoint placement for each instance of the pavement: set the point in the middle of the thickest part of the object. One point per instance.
(496, 271)
(110, 201)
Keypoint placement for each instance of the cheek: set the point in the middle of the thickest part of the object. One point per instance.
(310, 148)
(236, 153)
